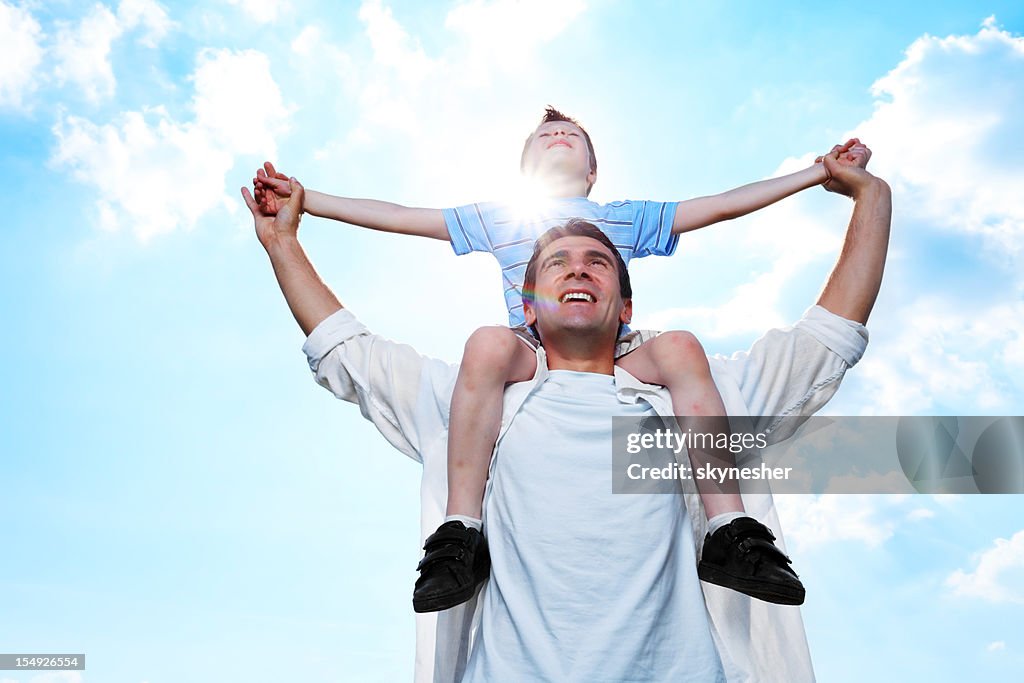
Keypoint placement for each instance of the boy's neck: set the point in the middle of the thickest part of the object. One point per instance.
(561, 187)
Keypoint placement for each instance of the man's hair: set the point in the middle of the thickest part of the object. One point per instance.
(552, 114)
(575, 227)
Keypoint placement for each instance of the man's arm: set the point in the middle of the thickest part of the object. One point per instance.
(404, 394)
(272, 187)
(309, 299)
(704, 211)
(793, 372)
(852, 287)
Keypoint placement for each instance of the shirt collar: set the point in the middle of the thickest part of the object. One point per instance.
(627, 387)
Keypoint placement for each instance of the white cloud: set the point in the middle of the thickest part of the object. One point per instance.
(401, 70)
(236, 100)
(998, 576)
(938, 357)
(813, 220)
(506, 33)
(82, 50)
(429, 103)
(155, 174)
(308, 39)
(392, 44)
(83, 53)
(945, 119)
(918, 514)
(264, 11)
(816, 520)
(310, 44)
(146, 15)
(752, 308)
(996, 646)
(20, 34)
(944, 131)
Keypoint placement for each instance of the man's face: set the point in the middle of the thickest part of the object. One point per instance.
(577, 291)
(558, 147)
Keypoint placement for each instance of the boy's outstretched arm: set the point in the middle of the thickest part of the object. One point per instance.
(272, 186)
(703, 211)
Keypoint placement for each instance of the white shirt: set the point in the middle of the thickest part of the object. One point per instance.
(790, 372)
(585, 585)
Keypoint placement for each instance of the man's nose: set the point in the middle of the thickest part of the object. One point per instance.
(577, 270)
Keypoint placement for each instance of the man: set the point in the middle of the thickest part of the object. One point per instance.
(572, 596)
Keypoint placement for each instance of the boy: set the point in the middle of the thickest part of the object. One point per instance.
(559, 157)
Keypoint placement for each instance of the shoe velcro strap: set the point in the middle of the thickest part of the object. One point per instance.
(447, 534)
(765, 546)
(448, 552)
(747, 527)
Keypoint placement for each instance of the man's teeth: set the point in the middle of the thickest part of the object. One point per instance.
(577, 296)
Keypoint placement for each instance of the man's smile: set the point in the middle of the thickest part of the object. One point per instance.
(577, 295)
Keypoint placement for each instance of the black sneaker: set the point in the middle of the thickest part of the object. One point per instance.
(742, 556)
(456, 561)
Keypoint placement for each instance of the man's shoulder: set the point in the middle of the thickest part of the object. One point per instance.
(817, 332)
(343, 330)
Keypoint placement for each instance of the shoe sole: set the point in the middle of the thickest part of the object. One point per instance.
(778, 595)
(442, 602)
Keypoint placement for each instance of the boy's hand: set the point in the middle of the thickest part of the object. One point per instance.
(284, 221)
(270, 188)
(853, 153)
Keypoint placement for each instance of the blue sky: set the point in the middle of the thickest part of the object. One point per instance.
(180, 502)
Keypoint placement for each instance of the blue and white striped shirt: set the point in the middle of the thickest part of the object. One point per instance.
(636, 228)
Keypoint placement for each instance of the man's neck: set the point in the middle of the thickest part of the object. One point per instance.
(598, 358)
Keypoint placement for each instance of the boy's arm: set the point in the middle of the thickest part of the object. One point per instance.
(272, 187)
(703, 211)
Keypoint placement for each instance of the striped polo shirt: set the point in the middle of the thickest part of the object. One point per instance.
(636, 228)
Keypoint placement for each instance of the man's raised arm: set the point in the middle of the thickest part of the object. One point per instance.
(310, 300)
(853, 285)
(793, 372)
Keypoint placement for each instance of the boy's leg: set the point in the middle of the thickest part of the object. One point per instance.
(456, 557)
(676, 361)
(494, 357)
(739, 552)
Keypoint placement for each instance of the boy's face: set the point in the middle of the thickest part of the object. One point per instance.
(559, 148)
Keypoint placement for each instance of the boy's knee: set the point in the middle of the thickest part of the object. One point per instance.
(493, 346)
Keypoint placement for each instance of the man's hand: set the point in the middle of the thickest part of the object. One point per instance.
(308, 297)
(851, 289)
(851, 153)
(846, 170)
(271, 189)
(276, 218)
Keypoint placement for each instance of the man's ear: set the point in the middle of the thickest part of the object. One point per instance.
(627, 312)
(591, 179)
(529, 315)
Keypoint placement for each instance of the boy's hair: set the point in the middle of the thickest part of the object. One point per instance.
(575, 227)
(552, 114)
